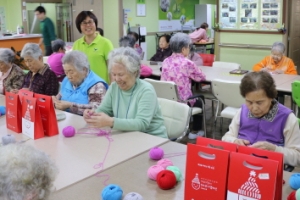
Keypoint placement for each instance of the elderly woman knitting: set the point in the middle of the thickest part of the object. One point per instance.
(81, 88)
(130, 104)
(179, 69)
(11, 75)
(263, 122)
(276, 63)
(40, 79)
(26, 173)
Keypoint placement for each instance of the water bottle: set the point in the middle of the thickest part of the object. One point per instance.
(18, 30)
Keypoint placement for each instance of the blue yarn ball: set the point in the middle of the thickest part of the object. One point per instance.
(112, 192)
(295, 181)
(2, 110)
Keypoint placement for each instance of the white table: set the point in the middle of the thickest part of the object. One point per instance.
(76, 156)
(131, 176)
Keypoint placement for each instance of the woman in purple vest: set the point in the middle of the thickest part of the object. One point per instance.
(263, 122)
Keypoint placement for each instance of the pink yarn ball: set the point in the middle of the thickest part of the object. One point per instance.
(156, 153)
(165, 163)
(69, 131)
(153, 171)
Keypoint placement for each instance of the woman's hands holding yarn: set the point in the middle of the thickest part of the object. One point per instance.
(264, 145)
(98, 120)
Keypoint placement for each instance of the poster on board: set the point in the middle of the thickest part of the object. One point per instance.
(249, 14)
(270, 15)
(173, 14)
(2, 20)
(228, 13)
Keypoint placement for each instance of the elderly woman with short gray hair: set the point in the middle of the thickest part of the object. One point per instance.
(81, 88)
(26, 173)
(54, 60)
(11, 75)
(130, 104)
(40, 79)
(276, 63)
(179, 69)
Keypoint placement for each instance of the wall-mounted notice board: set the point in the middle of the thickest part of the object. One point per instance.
(251, 15)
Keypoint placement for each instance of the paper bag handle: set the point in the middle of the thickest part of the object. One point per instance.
(215, 146)
(207, 156)
(259, 156)
(252, 165)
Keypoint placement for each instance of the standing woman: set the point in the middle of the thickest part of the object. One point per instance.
(93, 44)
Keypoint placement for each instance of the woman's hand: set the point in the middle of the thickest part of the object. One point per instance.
(278, 71)
(242, 142)
(264, 145)
(99, 120)
(62, 105)
(87, 113)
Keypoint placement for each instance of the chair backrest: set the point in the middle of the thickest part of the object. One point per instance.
(228, 65)
(228, 92)
(165, 89)
(176, 117)
(45, 59)
(296, 92)
(208, 59)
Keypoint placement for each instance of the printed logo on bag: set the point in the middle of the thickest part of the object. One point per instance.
(10, 114)
(27, 124)
(203, 183)
(249, 190)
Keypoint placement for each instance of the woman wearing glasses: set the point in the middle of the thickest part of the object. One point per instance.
(276, 63)
(93, 44)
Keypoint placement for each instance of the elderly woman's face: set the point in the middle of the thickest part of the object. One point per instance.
(258, 103)
(122, 77)
(88, 26)
(75, 77)
(163, 44)
(4, 66)
(34, 65)
(277, 56)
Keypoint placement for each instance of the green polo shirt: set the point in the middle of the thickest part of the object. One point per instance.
(97, 53)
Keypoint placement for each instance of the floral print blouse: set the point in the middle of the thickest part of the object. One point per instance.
(181, 70)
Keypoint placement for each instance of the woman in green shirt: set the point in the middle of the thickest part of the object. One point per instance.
(130, 104)
(93, 44)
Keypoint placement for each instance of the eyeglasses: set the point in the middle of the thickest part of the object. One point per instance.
(90, 22)
(276, 56)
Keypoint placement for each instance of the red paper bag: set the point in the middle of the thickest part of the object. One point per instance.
(272, 156)
(206, 173)
(31, 118)
(24, 92)
(251, 178)
(48, 115)
(13, 112)
(216, 144)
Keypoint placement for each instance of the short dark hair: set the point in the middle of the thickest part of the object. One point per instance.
(58, 44)
(254, 81)
(82, 16)
(127, 41)
(167, 37)
(204, 25)
(100, 30)
(40, 9)
(134, 34)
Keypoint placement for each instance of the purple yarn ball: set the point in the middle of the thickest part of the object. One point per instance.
(69, 131)
(156, 153)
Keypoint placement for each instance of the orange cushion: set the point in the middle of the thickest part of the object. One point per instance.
(208, 59)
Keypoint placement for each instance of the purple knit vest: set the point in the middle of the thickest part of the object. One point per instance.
(268, 128)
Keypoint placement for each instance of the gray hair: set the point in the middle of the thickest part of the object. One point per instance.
(57, 44)
(33, 50)
(125, 56)
(127, 41)
(77, 59)
(178, 41)
(25, 171)
(7, 55)
(278, 46)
